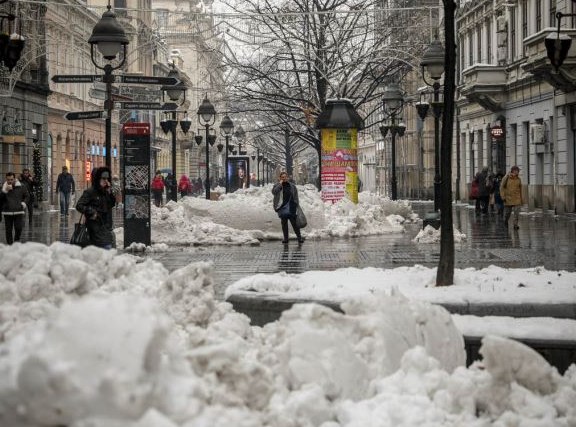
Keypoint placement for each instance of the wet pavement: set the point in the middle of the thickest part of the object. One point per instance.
(542, 240)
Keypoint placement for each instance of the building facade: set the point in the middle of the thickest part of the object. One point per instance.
(514, 107)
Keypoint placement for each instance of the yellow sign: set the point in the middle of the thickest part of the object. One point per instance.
(339, 164)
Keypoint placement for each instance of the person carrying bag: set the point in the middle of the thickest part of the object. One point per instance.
(286, 204)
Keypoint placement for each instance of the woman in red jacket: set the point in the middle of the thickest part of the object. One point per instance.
(157, 187)
(184, 186)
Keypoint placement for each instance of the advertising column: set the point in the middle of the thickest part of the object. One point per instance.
(339, 164)
(136, 178)
(339, 124)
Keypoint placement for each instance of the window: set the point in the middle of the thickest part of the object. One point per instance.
(479, 43)
(470, 48)
(524, 19)
(512, 34)
(538, 15)
(489, 40)
(552, 13)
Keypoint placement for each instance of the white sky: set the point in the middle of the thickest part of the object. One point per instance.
(92, 338)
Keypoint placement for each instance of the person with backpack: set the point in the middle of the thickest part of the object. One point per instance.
(157, 187)
(184, 186)
(511, 193)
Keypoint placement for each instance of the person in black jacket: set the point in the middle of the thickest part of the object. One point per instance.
(31, 184)
(285, 204)
(96, 204)
(14, 198)
(65, 186)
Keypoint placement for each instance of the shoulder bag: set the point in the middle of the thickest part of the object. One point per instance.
(301, 220)
(80, 237)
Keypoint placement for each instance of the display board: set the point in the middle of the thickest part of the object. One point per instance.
(339, 164)
(136, 179)
(238, 173)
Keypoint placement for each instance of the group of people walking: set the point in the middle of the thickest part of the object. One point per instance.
(185, 187)
(500, 194)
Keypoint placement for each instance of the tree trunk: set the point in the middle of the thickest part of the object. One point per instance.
(445, 273)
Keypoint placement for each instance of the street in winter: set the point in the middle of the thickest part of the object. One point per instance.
(268, 213)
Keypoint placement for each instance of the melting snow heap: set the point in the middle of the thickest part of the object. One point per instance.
(90, 338)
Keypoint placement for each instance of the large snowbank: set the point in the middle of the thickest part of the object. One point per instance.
(95, 339)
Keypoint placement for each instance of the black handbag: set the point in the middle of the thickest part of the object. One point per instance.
(301, 220)
(80, 237)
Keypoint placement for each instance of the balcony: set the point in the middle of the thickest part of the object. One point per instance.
(485, 84)
(538, 64)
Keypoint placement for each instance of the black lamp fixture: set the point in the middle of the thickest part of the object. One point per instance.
(110, 39)
(433, 64)
(207, 117)
(557, 46)
(226, 129)
(392, 104)
(177, 94)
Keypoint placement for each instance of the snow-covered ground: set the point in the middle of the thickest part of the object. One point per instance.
(246, 217)
(90, 338)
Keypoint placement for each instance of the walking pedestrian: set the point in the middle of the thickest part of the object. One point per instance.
(31, 184)
(184, 186)
(497, 197)
(169, 183)
(117, 190)
(285, 204)
(484, 187)
(96, 204)
(14, 199)
(475, 192)
(157, 188)
(65, 186)
(511, 193)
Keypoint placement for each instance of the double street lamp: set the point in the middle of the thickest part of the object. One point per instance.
(392, 104)
(177, 94)
(110, 38)
(433, 64)
(226, 129)
(206, 118)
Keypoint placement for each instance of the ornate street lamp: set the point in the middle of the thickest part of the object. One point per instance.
(177, 94)
(11, 42)
(109, 38)
(226, 129)
(433, 64)
(207, 117)
(392, 104)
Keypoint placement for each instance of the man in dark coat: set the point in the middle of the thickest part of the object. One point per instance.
(484, 188)
(14, 198)
(31, 184)
(65, 186)
(96, 204)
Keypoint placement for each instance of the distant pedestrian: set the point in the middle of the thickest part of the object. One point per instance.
(475, 192)
(31, 184)
(65, 187)
(285, 204)
(184, 186)
(169, 183)
(511, 193)
(96, 204)
(117, 190)
(14, 199)
(497, 197)
(157, 187)
(484, 188)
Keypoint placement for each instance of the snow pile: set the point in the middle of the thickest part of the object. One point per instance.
(430, 235)
(246, 217)
(126, 344)
(477, 286)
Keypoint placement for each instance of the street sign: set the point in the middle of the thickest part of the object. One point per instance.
(148, 106)
(71, 78)
(149, 80)
(97, 94)
(84, 115)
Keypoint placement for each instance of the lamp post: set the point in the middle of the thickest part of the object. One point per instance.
(433, 63)
(175, 92)
(207, 117)
(392, 103)
(109, 37)
(259, 159)
(226, 129)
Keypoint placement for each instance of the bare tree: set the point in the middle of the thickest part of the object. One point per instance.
(294, 55)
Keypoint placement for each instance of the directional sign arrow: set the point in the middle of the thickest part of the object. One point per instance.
(79, 78)
(84, 115)
(148, 106)
(149, 80)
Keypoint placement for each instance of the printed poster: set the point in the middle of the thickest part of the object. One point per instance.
(339, 164)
